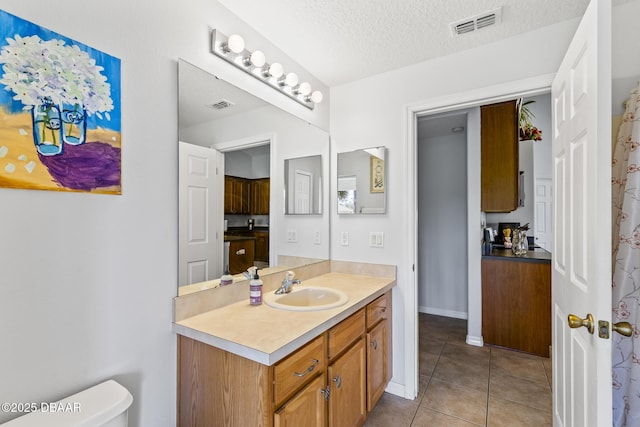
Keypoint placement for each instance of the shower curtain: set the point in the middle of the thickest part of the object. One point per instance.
(625, 292)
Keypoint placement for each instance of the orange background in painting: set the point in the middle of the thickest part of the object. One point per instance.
(16, 135)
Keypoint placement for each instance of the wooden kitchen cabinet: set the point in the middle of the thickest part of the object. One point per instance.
(262, 245)
(244, 196)
(241, 254)
(237, 195)
(499, 157)
(516, 305)
(260, 196)
(323, 383)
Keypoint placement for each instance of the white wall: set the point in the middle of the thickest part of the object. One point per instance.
(87, 280)
(442, 224)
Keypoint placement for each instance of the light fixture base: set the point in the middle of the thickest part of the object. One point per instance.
(219, 40)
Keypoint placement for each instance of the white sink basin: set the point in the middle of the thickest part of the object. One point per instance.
(307, 299)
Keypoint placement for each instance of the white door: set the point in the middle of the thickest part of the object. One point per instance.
(199, 214)
(581, 274)
(302, 195)
(543, 213)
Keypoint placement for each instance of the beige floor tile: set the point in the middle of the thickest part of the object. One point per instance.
(467, 353)
(430, 345)
(392, 411)
(548, 370)
(505, 364)
(520, 390)
(423, 382)
(503, 413)
(428, 418)
(427, 363)
(463, 373)
(455, 400)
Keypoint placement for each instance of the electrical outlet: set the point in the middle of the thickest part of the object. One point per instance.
(292, 235)
(316, 238)
(376, 239)
(344, 238)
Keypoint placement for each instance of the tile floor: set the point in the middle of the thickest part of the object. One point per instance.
(463, 385)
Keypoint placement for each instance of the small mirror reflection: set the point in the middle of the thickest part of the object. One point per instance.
(362, 181)
(303, 185)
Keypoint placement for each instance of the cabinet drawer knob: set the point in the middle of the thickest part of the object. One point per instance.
(374, 344)
(338, 380)
(309, 369)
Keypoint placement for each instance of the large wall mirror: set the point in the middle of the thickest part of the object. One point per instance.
(235, 218)
(362, 181)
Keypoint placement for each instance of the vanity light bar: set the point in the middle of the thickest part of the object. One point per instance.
(232, 50)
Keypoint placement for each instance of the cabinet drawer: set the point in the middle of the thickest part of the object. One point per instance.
(378, 310)
(297, 369)
(346, 332)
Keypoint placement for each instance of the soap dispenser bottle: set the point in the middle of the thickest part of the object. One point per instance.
(255, 289)
(226, 278)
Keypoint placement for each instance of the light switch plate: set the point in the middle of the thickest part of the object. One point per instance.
(344, 238)
(292, 235)
(376, 239)
(316, 238)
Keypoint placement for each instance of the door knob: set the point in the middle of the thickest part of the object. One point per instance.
(576, 322)
(623, 328)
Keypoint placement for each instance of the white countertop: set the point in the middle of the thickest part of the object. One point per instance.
(265, 334)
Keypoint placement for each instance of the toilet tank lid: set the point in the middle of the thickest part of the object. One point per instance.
(90, 407)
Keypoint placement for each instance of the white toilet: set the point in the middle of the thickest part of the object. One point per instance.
(104, 405)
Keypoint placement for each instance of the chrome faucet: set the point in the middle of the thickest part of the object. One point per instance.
(288, 283)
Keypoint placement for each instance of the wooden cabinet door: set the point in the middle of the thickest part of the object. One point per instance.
(376, 363)
(260, 196)
(262, 245)
(308, 408)
(241, 195)
(499, 157)
(347, 379)
(228, 194)
(241, 255)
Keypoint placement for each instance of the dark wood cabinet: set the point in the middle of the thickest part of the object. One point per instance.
(499, 157)
(244, 196)
(516, 305)
(262, 245)
(241, 254)
(260, 196)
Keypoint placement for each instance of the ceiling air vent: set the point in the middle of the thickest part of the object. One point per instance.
(473, 23)
(222, 104)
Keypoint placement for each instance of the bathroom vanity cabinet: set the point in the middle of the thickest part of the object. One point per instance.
(331, 381)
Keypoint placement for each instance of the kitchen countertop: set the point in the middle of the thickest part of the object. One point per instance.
(267, 335)
(532, 255)
(228, 238)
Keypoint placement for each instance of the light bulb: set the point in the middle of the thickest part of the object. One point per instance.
(256, 59)
(274, 70)
(303, 88)
(316, 97)
(235, 44)
(291, 79)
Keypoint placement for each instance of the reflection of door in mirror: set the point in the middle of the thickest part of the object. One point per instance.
(302, 196)
(199, 212)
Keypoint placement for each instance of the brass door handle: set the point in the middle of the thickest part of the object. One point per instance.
(623, 328)
(576, 322)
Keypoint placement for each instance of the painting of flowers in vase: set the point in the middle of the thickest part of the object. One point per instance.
(60, 117)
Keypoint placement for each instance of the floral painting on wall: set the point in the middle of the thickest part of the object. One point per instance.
(60, 117)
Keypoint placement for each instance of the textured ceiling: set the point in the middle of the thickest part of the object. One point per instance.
(345, 40)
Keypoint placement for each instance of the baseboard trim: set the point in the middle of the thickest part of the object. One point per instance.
(397, 389)
(477, 341)
(445, 313)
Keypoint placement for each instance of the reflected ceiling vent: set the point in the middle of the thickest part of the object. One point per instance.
(222, 104)
(473, 23)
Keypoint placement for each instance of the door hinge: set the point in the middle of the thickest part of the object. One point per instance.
(413, 268)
